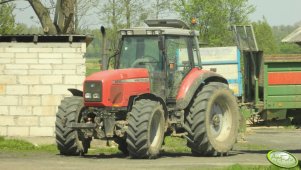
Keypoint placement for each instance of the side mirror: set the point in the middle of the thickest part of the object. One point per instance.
(111, 60)
(161, 43)
(111, 63)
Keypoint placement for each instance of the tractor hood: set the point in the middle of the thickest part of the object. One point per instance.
(120, 74)
(113, 88)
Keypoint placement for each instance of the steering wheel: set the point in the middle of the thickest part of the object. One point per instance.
(148, 62)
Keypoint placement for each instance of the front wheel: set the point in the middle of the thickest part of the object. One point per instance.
(145, 132)
(70, 141)
(212, 121)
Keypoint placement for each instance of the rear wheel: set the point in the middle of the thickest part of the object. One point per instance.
(145, 132)
(212, 121)
(70, 141)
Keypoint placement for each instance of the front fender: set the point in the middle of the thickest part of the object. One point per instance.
(76, 92)
(194, 80)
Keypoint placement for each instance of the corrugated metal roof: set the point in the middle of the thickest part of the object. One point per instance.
(294, 37)
(45, 38)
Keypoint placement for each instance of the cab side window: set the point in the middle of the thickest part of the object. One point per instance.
(178, 51)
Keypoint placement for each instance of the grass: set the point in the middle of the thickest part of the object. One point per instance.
(16, 145)
(172, 145)
(175, 145)
(254, 167)
(103, 150)
(246, 167)
(92, 66)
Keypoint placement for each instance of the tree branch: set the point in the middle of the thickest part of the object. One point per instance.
(3, 2)
(44, 16)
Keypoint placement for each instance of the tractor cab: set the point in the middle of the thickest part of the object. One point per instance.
(167, 49)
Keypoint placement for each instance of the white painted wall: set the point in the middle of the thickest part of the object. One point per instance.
(33, 80)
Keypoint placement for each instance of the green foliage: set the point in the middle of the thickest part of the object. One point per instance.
(24, 29)
(282, 31)
(7, 19)
(92, 66)
(265, 37)
(214, 17)
(160, 7)
(94, 50)
(286, 48)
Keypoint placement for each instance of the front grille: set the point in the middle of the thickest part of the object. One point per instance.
(93, 87)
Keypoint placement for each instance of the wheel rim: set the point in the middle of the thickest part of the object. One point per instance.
(220, 120)
(155, 128)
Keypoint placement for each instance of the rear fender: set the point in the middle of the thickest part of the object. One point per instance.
(193, 82)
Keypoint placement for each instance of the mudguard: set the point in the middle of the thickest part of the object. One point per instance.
(76, 92)
(193, 81)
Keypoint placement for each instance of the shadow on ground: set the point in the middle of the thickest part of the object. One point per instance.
(162, 155)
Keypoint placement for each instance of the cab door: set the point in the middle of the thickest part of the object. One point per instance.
(182, 56)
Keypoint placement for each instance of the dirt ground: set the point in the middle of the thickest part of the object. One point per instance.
(251, 151)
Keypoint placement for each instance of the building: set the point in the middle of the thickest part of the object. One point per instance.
(35, 73)
(294, 37)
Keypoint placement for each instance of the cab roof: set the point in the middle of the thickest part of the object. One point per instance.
(156, 27)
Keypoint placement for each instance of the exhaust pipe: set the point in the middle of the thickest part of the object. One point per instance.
(103, 59)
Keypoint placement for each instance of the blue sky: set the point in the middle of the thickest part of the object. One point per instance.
(277, 12)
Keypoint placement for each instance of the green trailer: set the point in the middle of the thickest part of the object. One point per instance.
(267, 87)
(282, 87)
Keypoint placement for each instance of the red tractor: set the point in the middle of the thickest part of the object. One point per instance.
(157, 88)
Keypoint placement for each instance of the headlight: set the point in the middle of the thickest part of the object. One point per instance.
(88, 95)
(93, 91)
(96, 96)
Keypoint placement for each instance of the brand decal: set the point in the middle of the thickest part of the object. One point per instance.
(282, 159)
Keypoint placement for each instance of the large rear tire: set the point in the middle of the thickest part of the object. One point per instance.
(212, 121)
(145, 132)
(69, 141)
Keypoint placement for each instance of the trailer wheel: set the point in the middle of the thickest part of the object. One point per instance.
(70, 141)
(212, 121)
(145, 132)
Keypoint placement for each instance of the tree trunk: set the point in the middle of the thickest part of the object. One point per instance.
(44, 16)
(68, 9)
(76, 21)
(128, 13)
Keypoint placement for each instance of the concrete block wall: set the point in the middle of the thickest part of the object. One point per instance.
(33, 80)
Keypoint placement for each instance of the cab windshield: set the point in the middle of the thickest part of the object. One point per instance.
(140, 52)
